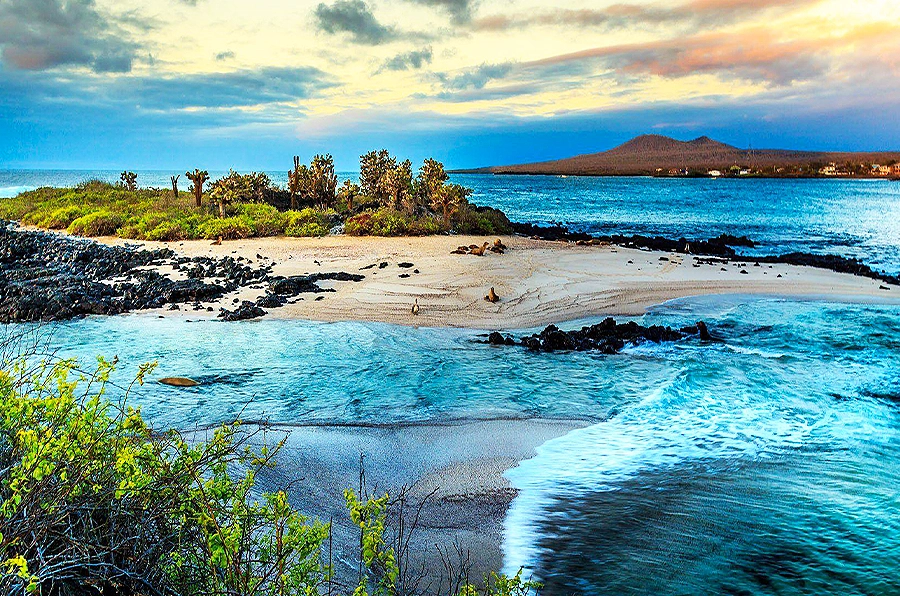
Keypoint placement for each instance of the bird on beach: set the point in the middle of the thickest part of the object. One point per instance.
(415, 307)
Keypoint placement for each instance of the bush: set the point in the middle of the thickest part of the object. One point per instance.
(359, 225)
(481, 220)
(388, 222)
(167, 232)
(59, 219)
(98, 223)
(230, 228)
(95, 501)
(254, 187)
(308, 222)
(265, 220)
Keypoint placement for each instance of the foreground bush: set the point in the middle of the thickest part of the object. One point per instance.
(94, 501)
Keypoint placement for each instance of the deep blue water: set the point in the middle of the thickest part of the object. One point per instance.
(857, 218)
(766, 464)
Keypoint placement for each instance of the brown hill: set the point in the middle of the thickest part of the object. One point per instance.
(645, 154)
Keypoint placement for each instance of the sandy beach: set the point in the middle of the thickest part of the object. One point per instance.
(538, 282)
(455, 470)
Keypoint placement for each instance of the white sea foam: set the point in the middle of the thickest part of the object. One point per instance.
(11, 191)
(673, 424)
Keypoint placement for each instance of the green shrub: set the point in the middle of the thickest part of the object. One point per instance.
(230, 228)
(98, 223)
(60, 219)
(308, 222)
(388, 222)
(481, 220)
(426, 226)
(168, 231)
(265, 220)
(309, 229)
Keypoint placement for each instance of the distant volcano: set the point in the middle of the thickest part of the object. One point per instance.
(648, 154)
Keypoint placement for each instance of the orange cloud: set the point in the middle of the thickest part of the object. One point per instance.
(755, 54)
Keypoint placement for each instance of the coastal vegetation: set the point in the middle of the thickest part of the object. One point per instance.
(94, 500)
(389, 200)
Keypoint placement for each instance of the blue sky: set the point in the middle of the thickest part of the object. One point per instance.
(197, 83)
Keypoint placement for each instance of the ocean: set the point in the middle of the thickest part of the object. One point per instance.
(768, 463)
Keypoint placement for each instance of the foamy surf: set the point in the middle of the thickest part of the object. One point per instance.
(681, 422)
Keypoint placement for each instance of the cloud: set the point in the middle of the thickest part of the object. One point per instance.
(753, 54)
(271, 87)
(43, 34)
(415, 59)
(704, 13)
(460, 11)
(222, 56)
(474, 78)
(240, 88)
(353, 17)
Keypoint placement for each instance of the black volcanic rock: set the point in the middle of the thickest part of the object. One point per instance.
(607, 337)
(247, 310)
(46, 277)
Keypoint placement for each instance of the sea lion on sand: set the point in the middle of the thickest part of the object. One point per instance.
(218, 242)
(479, 250)
(415, 307)
(492, 296)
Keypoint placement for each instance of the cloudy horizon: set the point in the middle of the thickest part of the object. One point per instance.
(174, 83)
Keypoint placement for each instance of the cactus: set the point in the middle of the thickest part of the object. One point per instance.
(128, 180)
(175, 187)
(198, 178)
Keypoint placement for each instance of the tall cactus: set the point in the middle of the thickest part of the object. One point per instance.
(198, 178)
(294, 181)
(175, 187)
(128, 180)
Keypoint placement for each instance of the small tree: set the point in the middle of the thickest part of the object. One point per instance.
(198, 179)
(175, 187)
(398, 184)
(448, 199)
(128, 180)
(431, 179)
(324, 179)
(348, 193)
(373, 168)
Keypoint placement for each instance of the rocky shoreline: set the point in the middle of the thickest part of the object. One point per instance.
(607, 337)
(721, 246)
(50, 277)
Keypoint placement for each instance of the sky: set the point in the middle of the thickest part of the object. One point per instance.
(145, 84)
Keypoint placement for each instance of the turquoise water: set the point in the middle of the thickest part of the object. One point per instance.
(855, 218)
(765, 464)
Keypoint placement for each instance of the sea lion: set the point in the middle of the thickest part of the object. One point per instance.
(415, 307)
(479, 250)
(178, 381)
(492, 296)
(217, 242)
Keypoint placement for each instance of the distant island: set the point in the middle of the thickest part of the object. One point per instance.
(657, 155)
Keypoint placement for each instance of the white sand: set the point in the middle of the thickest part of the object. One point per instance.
(539, 282)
